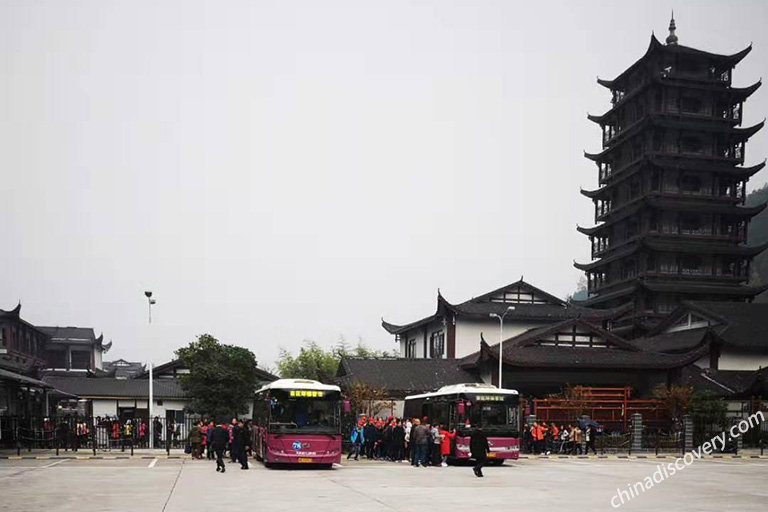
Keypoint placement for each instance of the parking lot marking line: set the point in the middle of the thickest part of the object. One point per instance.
(152, 463)
(56, 463)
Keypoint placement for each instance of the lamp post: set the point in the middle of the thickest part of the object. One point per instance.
(150, 303)
(501, 337)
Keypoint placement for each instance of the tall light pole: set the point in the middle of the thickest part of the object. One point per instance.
(150, 303)
(501, 337)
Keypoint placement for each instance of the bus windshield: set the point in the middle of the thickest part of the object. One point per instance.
(494, 414)
(303, 414)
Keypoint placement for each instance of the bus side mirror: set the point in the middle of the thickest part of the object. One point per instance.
(460, 408)
(347, 407)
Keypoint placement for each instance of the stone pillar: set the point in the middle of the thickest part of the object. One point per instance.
(636, 433)
(687, 433)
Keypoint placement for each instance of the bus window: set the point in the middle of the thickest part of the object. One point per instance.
(305, 414)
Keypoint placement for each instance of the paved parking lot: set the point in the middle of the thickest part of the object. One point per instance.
(150, 485)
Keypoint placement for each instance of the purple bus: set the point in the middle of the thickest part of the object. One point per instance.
(461, 406)
(297, 421)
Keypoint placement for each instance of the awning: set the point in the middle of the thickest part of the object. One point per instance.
(6, 375)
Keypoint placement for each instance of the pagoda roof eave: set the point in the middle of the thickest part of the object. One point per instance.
(655, 45)
(605, 297)
(706, 289)
(746, 92)
(726, 209)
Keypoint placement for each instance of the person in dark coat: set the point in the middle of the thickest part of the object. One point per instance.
(239, 442)
(398, 441)
(219, 442)
(370, 436)
(478, 446)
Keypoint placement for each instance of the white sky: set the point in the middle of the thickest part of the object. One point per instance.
(277, 171)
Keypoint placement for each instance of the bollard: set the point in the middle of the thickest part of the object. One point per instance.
(93, 439)
(636, 433)
(688, 434)
(57, 445)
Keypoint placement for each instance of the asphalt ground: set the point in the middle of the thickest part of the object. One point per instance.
(179, 484)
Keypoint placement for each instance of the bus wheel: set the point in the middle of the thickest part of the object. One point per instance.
(496, 462)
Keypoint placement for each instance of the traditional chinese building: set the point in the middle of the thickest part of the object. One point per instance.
(22, 356)
(454, 329)
(670, 214)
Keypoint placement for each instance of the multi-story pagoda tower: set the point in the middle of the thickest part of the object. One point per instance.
(670, 214)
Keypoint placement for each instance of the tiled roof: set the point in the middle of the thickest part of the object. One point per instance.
(400, 375)
(72, 335)
(555, 309)
(116, 388)
(522, 350)
(674, 342)
(745, 324)
(23, 379)
(725, 383)
(397, 329)
(736, 324)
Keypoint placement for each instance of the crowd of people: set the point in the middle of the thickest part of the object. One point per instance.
(541, 438)
(209, 440)
(417, 441)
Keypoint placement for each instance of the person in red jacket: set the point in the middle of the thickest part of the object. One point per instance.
(445, 444)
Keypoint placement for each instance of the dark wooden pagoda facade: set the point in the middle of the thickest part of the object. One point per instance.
(670, 214)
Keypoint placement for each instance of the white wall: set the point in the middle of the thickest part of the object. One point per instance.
(104, 407)
(730, 360)
(468, 333)
(108, 407)
(418, 335)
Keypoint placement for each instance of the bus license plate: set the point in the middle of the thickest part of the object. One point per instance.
(305, 460)
(491, 455)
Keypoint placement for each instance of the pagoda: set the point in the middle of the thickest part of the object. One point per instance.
(671, 224)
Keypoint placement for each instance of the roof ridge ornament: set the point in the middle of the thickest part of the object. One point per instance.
(672, 38)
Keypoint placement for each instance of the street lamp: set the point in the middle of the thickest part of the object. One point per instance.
(150, 303)
(501, 337)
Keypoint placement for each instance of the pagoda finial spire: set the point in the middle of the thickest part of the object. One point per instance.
(672, 38)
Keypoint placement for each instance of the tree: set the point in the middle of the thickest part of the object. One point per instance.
(675, 398)
(367, 400)
(312, 362)
(316, 363)
(221, 379)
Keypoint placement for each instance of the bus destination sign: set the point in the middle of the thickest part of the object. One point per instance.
(305, 393)
(489, 398)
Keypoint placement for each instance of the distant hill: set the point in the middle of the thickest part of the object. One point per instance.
(758, 234)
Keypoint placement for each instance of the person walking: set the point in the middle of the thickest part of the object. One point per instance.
(369, 432)
(209, 439)
(420, 442)
(219, 442)
(232, 454)
(445, 444)
(195, 439)
(436, 445)
(239, 442)
(576, 438)
(357, 438)
(398, 442)
(479, 448)
(590, 437)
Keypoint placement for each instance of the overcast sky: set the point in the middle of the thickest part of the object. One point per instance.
(281, 171)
